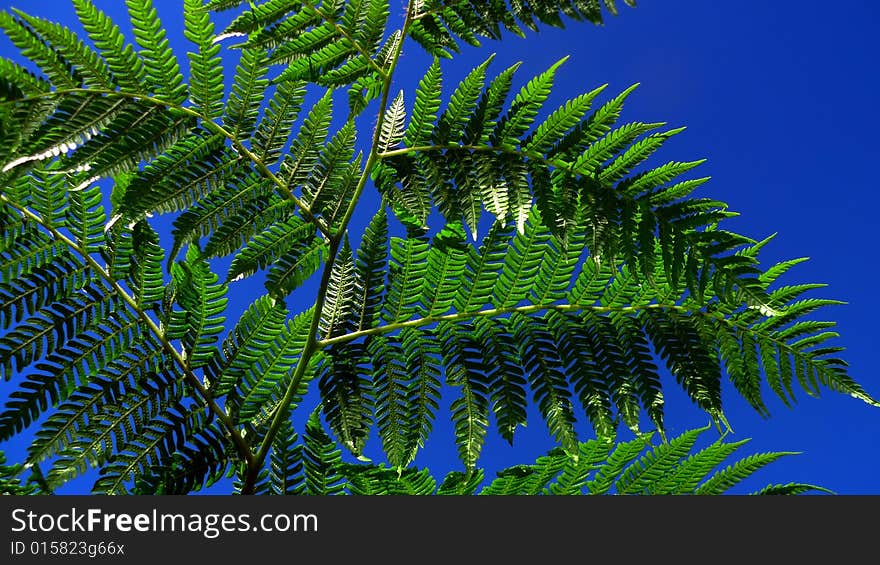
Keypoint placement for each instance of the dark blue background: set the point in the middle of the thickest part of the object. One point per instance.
(781, 97)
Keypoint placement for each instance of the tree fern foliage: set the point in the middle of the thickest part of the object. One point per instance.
(567, 272)
(312, 464)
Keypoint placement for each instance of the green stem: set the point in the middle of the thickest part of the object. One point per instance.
(281, 409)
(243, 448)
(207, 124)
(492, 312)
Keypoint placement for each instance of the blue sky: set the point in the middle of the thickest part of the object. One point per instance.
(781, 99)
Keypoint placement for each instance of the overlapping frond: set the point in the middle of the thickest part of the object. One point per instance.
(328, 43)
(597, 274)
(528, 311)
(313, 465)
(577, 169)
(636, 467)
(438, 25)
(92, 365)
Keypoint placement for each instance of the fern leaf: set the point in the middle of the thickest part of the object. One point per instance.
(506, 376)
(281, 113)
(88, 64)
(418, 132)
(306, 146)
(293, 268)
(525, 107)
(162, 69)
(546, 376)
(248, 86)
(393, 411)
(204, 300)
(321, 460)
(246, 344)
(57, 69)
(446, 261)
(347, 394)
(731, 475)
(470, 411)
(406, 275)
(286, 462)
(261, 381)
(269, 246)
(127, 68)
(206, 72)
(336, 314)
(462, 103)
(652, 466)
(372, 259)
(392, 131)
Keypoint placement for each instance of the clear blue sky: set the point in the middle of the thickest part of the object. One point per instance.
(781, 99)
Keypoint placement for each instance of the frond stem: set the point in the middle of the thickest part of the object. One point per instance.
(281, 409)
(533, 308)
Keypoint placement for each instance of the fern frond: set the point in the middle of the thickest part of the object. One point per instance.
(470, 411)
(115, 424)
(127, 67)
(88, 64)
(267, 247)
(275, 126)
(57, 69)
(286, 462)
(321, 460)
(336, 316)
(246, 344)
(185, 173)
(425, 107)
(248, 86)
(162, 70)
(260, 382)
(544, 370)
(206, 71)
(381, 481)
(293, 268)
(372, 259)
(506, 375)
(347, 394)
(393, 411)
(203, 300)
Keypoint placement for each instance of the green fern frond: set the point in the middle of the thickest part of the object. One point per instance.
(372, 260)
(162, 70)
(259, 385)
(336, 316)
(206, 71)
(293, 268)
(275, 126)
(286, 463)
(438, 23)
(347, 394)
(248, 86)
(89, 65)
(203, 300)
(246, 344)
(470, 411)
(425, 107)
(269, 246)
(56, 68)
(321, 460)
